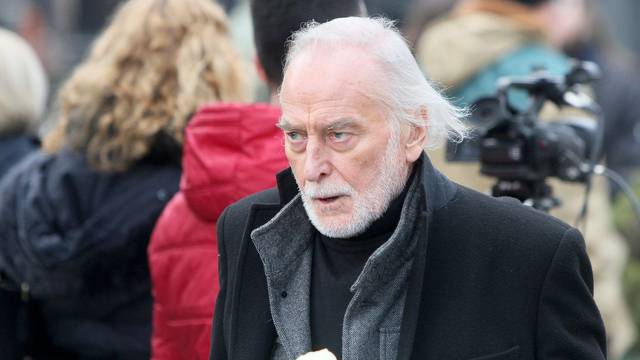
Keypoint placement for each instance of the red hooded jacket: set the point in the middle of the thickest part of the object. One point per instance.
(230, 151)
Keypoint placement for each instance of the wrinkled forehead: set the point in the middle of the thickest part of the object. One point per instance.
(332, 72)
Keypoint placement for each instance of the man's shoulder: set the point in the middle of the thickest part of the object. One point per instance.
(269, 197)
(486, 205)
(235, 216)
(232, 223)
(483, 221)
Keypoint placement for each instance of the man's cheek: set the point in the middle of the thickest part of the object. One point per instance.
(292, 157)
(297, 167)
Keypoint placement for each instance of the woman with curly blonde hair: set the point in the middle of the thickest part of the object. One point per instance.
(146, 75)
(76, 219)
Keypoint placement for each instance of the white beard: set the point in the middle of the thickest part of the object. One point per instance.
(369, 205)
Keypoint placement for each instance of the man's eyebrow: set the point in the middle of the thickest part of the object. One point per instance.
(342, 123)
(284, 124)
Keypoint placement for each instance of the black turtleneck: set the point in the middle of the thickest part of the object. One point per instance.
(336, 266)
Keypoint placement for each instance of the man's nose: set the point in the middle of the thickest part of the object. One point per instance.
(318, 164)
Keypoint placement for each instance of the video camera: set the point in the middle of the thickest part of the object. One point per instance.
(521, 151)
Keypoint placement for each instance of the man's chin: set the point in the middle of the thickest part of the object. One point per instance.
(332, 218)
(336, 227)
(335, 231)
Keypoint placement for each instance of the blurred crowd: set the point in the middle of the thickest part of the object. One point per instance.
(127, 126)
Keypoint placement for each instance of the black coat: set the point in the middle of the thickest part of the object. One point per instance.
(77, 240)
(494, 280)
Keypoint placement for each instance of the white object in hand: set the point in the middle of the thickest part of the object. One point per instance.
(323, 354)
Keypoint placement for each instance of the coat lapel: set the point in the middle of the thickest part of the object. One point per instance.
(438, 191)
(252, 330)
(414, 294)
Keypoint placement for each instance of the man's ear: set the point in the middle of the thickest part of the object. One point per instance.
(415, 143)
(417, 137)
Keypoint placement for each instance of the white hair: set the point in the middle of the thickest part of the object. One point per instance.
(23, 85)
(406, 90)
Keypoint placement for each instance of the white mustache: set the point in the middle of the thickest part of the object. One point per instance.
(326, 190)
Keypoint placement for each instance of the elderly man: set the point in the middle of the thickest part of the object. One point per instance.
(365, 249)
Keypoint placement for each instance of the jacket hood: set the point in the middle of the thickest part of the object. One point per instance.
(68, 229)
(230, 151)
(456, 48)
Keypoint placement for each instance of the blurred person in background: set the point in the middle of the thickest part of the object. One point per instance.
(59, 31)
(23, 98)
(23, 94)
(230, 151)
(26, 18)
(395, 10)
(582, 34)
(421, 14)
(466, 52)
(75, 220)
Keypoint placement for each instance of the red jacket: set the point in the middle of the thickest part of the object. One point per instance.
(230, 151)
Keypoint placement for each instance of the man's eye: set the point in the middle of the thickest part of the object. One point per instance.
(294, 136)
(339, 136)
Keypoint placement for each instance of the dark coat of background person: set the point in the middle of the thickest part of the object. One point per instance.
(230, 151)
(23, 95)
(482, 288)
(14, 148)
(74, 240)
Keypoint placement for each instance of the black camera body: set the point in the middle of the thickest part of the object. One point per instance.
(521, 151)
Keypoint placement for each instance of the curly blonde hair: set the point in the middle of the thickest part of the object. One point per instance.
(146, 74)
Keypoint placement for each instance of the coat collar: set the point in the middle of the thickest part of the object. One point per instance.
(287, 187)
(252, 333)
(438, 189)
(438, 192)
(252, 319)
(284, 246)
